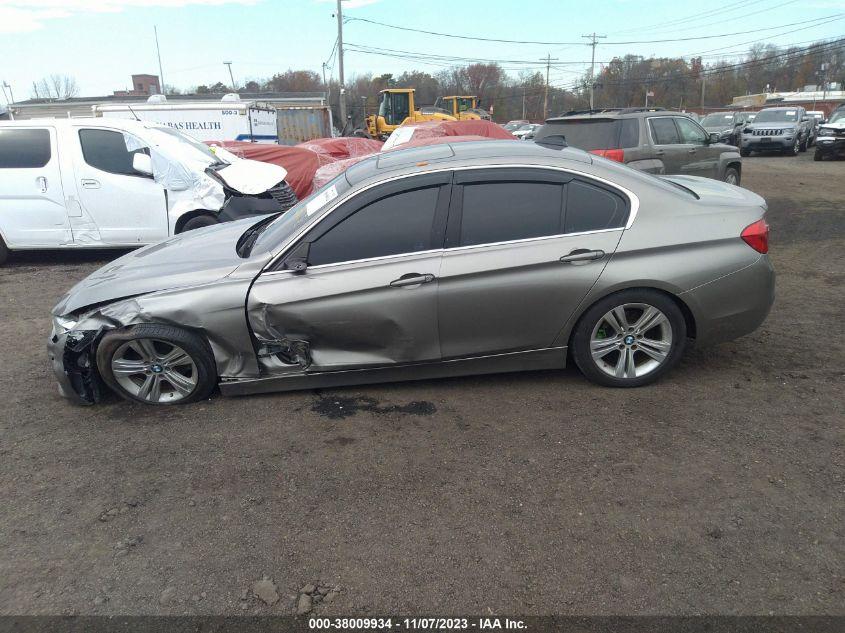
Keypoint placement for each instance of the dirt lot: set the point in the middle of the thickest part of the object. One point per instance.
(719, 490)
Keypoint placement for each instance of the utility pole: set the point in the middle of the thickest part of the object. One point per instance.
(342, 95)
(158, 53)
(549, 59)
(593, 41)
(11, 98)
(703, 83)
(231, 76)
(523, 101)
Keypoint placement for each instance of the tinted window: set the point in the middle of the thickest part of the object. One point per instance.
(106, 150)
(590, 208)
(663, 131)
(24, 149)
(586, 134)
(630, 136)
(401, 223)
(690, 132)
(500, 212)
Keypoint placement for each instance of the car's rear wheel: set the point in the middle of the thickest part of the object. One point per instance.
(198, 222)
(817, 155)
(629, 339)
(732, 176)
(157, 364)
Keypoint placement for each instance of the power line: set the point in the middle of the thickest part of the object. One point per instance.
(612, 43)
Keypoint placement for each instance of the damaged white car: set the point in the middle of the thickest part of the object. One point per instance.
(111, 183)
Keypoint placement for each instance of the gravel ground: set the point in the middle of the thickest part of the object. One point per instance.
(718, 490)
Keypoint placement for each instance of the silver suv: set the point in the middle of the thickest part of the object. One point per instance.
(785, 129)
(653, 140)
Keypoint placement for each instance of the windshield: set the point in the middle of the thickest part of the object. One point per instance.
(716, 119)
(184, 144)
(836, 116)
(300, 214)
(777, 116)
(513, 125)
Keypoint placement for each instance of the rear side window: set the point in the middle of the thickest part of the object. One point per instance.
(663, 131)
(591, 208)
(24, 149)
(106, 150)
(505, 211)
(401, 223)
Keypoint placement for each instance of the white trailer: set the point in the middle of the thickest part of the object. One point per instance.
(229, 119)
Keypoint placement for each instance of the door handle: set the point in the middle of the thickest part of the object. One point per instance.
(42, 183)
(412, 279)
(581, 255)
(691, 151)
(659, 152)
(90, 183)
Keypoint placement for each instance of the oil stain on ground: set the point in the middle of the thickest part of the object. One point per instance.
(339, 407)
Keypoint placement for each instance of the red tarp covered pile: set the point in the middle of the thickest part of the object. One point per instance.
(304, 160)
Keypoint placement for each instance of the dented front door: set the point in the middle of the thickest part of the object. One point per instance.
(368, 297)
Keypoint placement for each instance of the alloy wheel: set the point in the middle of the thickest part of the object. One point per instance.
(731, 178)
(631, 340)
(154, 370)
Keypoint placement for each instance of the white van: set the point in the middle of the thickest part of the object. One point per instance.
(101, 183)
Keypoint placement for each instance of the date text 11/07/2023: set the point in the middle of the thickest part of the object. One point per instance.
(414, 624)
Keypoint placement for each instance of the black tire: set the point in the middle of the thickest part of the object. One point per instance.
(4, 251)
(793, 151)
(732, 171)
(198, 222)
(817, 155)
(164, 335)
(593, 318)
(745, 153)
(804, 144)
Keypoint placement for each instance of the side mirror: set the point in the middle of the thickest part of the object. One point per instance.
(714, 138)
(297, 259)
(142, 163)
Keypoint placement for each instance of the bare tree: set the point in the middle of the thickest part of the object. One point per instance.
(57, 87)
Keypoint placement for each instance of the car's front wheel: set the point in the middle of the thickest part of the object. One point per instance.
(157, 364)
(629, 339)
(732, 176)
(796, 147)
(818, 155)
(745, 153)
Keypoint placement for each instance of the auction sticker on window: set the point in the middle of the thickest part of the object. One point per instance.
(321, 200)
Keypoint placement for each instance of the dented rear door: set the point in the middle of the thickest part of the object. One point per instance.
(368, 297)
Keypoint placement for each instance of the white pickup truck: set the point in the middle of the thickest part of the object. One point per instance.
(113, 183)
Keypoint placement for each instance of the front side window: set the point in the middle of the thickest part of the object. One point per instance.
(106, 150)
(24, 149)
(663, 131)
(591, 208)
(690, 132)
(400, 223)
(505, 211)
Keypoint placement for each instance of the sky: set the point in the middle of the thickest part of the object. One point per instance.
(101, 43)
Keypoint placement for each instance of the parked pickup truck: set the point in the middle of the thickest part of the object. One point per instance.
(113, 183)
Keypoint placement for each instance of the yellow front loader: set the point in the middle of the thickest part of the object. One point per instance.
(464, 108)
(396, 106)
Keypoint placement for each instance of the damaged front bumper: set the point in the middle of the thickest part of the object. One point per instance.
(71, 356)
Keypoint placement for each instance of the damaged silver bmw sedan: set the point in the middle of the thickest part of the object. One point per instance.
(446, 260)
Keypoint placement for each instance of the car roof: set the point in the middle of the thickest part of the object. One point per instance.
(116, 123)
(782, 108)
(612, 113)
(467, 154)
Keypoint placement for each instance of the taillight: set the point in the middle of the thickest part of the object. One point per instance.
(757, 236)
(613, 154)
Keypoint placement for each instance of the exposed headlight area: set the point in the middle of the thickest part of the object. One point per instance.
(65, 323)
